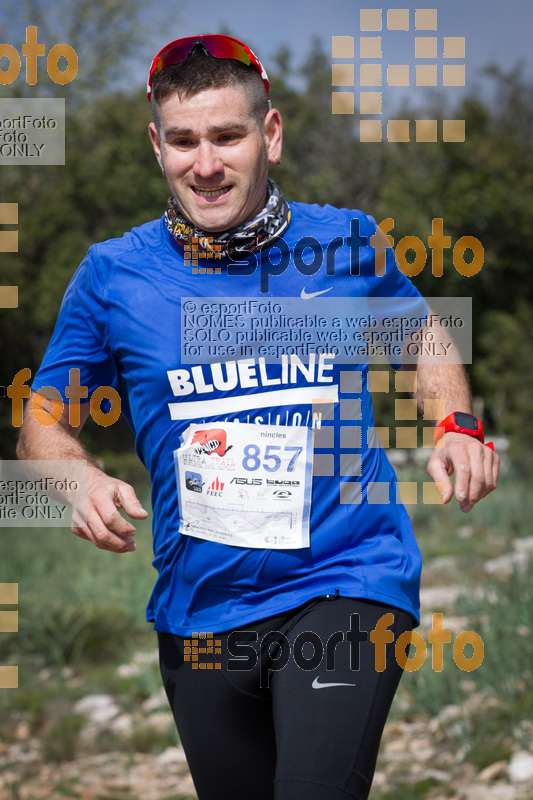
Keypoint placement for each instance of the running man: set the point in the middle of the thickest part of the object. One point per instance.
(276, 522)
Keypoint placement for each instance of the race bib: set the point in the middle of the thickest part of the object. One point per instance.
(245, 485)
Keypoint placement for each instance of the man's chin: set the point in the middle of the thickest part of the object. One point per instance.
(213, 224)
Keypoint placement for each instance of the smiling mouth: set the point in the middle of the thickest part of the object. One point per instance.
(211, 192)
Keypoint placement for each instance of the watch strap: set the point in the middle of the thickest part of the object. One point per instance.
(450, 425)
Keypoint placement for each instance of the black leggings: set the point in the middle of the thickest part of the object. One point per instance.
(292, 707)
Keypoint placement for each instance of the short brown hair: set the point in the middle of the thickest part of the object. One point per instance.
(201, 71)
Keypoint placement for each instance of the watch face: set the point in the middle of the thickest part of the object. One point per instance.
(467, 421)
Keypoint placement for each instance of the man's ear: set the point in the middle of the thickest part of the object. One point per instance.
(156, 142)
(273, 132)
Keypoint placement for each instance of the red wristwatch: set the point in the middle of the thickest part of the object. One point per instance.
(460, 422)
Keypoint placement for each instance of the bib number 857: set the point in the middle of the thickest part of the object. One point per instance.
(271, 461)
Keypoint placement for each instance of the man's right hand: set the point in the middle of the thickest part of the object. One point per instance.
(106, 527)
(100, 521)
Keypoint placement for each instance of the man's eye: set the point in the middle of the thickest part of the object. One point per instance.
(182, 142)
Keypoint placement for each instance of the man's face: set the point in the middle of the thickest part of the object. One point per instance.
(215, 156)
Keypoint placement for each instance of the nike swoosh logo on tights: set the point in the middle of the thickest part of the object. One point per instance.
(317, 685)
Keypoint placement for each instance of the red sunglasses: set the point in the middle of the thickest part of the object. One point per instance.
(217, 45)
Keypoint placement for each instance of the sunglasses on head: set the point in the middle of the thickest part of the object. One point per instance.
(217, 45)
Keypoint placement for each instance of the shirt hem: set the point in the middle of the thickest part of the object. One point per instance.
(164, 626)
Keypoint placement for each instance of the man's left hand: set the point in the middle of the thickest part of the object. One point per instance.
(476, 468)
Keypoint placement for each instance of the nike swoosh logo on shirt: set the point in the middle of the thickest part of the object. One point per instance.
(317, 685)
(306, 296)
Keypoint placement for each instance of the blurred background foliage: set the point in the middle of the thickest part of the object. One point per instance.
(482, 187)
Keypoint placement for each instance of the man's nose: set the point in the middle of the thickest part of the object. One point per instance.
(207, 162)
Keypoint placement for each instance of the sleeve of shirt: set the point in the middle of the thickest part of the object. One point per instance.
(81, 335)
(393, 300)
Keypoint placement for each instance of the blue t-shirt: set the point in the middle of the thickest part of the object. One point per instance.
(121, 325)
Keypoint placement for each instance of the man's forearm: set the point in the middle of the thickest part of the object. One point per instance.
(53, 443)
(445, 382)
(475, 466)
(38, 442)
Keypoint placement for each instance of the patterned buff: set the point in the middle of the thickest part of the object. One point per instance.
(262, 230)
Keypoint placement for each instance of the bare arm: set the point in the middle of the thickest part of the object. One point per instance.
(105, 527)
(476, 466)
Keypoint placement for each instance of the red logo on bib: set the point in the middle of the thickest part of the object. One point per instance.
(211, 441)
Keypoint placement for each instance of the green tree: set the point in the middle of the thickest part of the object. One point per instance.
(506, 344)
(108, 184)
(482, 187)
